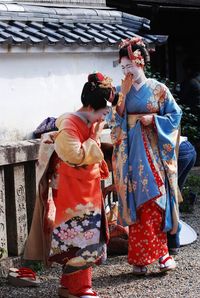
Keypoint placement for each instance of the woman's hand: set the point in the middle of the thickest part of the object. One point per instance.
(146, 120)
(96, 130)
(125, 88)
(49, 137)
(126, 84)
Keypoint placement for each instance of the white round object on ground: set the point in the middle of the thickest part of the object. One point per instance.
(187, 234)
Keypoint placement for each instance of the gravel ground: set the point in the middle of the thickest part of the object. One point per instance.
(114, 279)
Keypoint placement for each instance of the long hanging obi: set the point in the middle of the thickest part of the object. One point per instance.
(144, 157)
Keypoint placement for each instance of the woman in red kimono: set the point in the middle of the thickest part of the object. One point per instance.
(74, 224)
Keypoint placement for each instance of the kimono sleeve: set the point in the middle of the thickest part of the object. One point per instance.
(117, 124)
(76, 153)
(167, 124)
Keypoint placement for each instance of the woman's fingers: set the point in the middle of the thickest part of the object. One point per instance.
(146, 120)
(99, 126)
(127, 83)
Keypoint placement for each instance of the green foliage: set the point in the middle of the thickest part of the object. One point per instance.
(192, 184)
(189, 121)
(190, 193)
(189, 125)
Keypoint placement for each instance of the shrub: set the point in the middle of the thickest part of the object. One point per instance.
(190, 193)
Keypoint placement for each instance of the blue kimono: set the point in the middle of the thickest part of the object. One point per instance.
(144, 157)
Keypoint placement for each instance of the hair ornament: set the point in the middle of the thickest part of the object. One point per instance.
(97, 79)
(134, 55)
(93, 86)
(106, 83)
(133, 41)
(94, 79)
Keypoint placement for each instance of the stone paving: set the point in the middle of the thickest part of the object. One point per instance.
(115, 280)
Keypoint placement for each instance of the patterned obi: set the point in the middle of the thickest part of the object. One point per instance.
(133, 118)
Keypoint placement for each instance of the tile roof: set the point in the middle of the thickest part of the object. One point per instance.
(28, 24)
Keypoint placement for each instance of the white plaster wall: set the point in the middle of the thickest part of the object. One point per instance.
(35, 86)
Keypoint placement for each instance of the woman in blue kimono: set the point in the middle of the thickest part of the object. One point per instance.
(144, 130)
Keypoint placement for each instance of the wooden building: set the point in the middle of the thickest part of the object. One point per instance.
(176, 18)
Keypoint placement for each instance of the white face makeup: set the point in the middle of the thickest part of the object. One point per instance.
(131, 67)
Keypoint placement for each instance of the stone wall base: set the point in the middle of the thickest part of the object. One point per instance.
(7, 263)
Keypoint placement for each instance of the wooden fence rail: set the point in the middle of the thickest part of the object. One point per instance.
(17, 194)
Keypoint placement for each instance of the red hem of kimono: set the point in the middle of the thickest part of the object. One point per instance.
(147, 241)
(84, 278)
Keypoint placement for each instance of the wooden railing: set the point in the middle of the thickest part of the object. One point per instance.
(17, 194)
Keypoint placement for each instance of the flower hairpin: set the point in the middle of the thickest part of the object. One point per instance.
(137, 57)
(106, 83)
(132, 41)
(134, 55)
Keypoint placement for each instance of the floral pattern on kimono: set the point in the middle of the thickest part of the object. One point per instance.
(76, 242)
(147, 242)
(144, 157)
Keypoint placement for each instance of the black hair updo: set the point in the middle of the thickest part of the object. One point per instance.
(93, 94)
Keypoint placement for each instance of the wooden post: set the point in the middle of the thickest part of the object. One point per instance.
(16, 215)
(3, 230)
(21, 212)
(17, 193)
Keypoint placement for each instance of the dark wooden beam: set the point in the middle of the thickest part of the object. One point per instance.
(131, 3)
(168, 20)
(169, 2)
